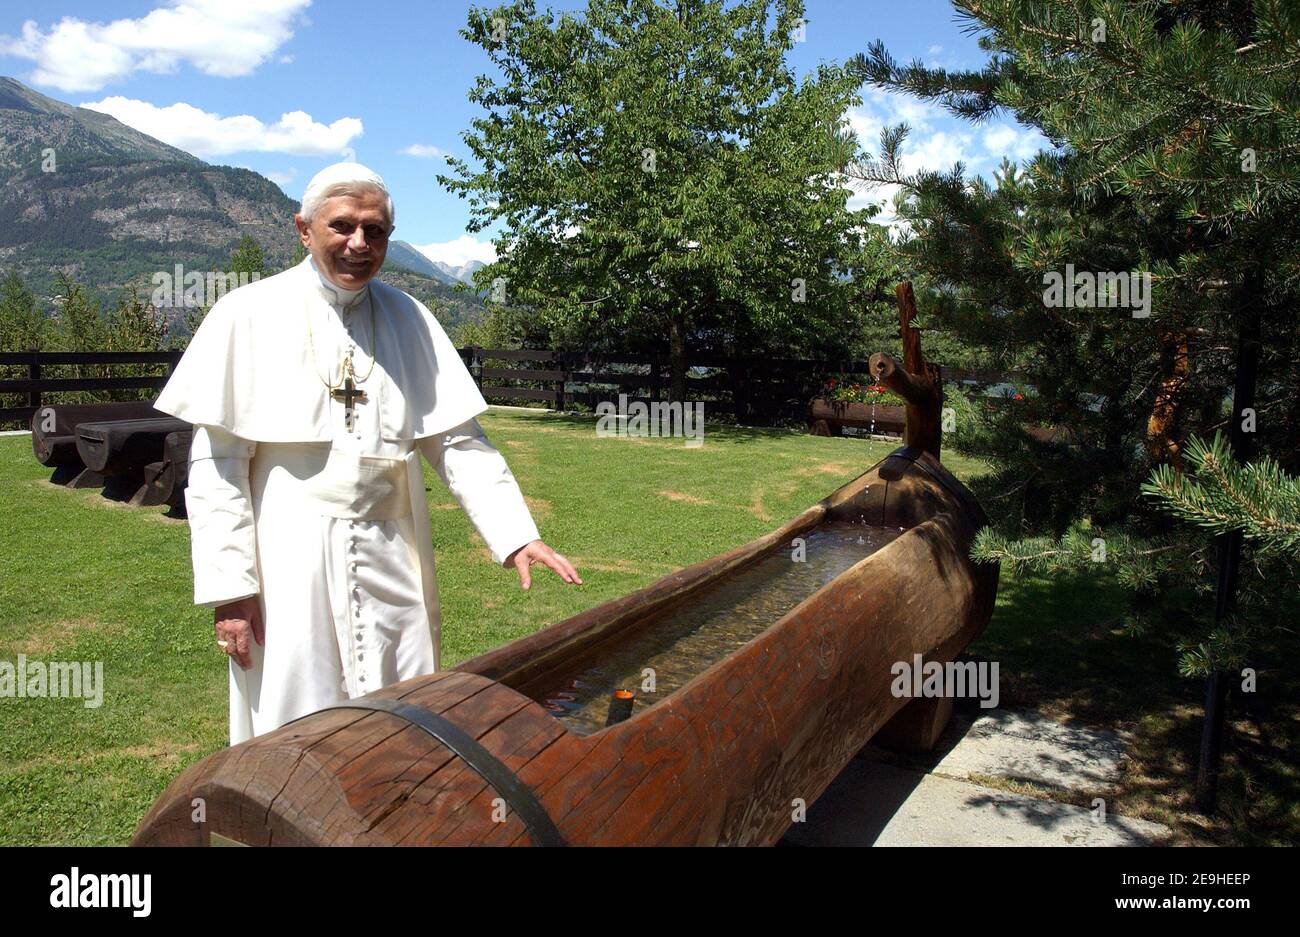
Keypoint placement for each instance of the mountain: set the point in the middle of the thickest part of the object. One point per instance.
(408, 257)
(86, 195)
(463, 273)
(83, 194)
(73, 133)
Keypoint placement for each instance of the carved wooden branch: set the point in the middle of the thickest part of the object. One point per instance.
(917, 381)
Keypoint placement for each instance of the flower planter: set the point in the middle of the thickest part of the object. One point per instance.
(829, 417)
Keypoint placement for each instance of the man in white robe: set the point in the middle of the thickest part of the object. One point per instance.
(313, 394)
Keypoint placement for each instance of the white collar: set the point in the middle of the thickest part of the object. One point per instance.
(332, 294)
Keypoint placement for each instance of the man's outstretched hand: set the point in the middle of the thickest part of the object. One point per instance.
(539, 552)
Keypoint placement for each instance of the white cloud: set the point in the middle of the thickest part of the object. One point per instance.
(206, 134)
(282, 178)
(937, 151)
(936, 140)
(459, 252)
(935, 50)
(223, 38)
(1013, 141)
(422, 150)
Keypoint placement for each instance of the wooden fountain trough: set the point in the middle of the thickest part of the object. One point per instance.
(472, 756)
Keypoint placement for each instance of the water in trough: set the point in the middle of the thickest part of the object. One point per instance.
(686, 639)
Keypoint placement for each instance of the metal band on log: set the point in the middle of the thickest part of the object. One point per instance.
(516, 793)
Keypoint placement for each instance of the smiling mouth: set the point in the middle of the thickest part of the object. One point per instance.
(353, 264)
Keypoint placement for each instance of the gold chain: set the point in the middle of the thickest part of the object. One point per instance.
(346, 367)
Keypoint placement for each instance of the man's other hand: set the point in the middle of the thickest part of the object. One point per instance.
(539, 552)
(239, 623)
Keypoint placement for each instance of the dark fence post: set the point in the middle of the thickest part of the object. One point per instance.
(733, 379)
(560, 358)
(34, 374)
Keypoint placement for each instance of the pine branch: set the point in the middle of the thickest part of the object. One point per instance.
(1221, 495)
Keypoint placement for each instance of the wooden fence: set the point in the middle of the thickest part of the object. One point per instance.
(753, 390)
(38, 383)
(756, 391)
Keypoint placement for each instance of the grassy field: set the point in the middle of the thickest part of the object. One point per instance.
(89, 579)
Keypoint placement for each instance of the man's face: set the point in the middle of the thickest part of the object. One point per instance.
(348, 237)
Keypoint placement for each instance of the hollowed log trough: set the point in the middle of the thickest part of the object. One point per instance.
(724, 759)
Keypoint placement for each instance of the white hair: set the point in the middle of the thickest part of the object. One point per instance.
(342, 179)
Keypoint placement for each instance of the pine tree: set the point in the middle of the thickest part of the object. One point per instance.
(247, 259)
(1177, 134)
(80, 319)
(22, 326)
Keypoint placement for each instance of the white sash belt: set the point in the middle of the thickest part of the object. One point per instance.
(361, 487)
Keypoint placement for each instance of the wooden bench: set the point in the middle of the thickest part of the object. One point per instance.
(54, 436)
(119, 450)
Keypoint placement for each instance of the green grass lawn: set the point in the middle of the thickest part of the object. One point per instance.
(89, 579)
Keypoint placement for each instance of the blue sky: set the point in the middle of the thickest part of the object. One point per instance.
(286, 87)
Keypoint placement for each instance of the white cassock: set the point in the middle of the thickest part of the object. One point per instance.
(329, 525)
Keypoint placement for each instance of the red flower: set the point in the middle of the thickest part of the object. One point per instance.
(1019, 397)
(832, 383)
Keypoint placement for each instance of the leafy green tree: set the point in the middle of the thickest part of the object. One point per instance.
(662, 179)
(133, 325)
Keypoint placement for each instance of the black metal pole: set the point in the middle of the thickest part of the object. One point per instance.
(1218, 681)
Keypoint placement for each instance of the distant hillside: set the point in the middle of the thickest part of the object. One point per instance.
(119, 206)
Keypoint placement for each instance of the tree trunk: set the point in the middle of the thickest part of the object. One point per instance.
(1164, 425)
(677, 355)
(1217, 684)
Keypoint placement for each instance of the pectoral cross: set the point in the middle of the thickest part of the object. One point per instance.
(349, 393)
